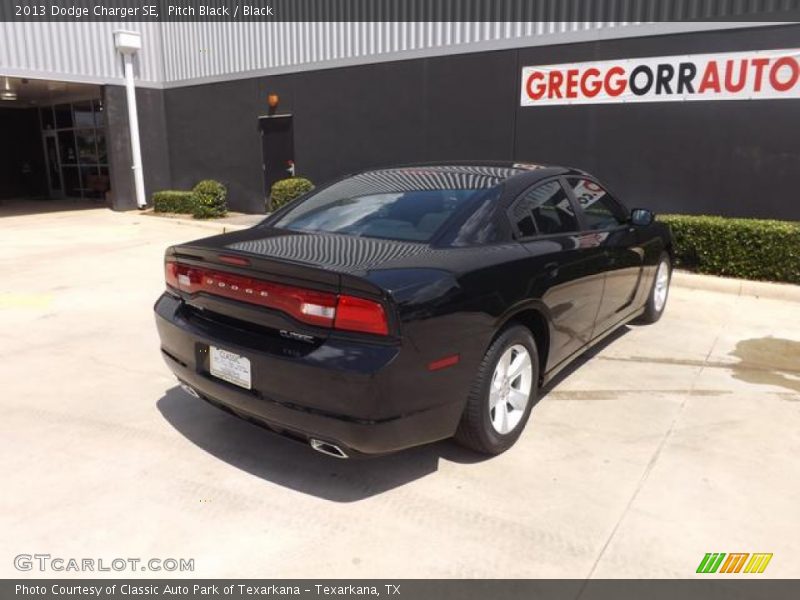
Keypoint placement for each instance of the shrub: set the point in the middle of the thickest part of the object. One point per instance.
(210, 199)
(173, 201)
(286, 190)
(745, 248)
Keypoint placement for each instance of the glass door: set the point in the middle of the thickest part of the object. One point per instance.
(55, 185)
(75, 149)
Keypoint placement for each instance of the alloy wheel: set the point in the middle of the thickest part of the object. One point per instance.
(511, 388)
(661, 287)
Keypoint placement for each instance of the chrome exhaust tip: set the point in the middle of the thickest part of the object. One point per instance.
(327, 448)
(189, 389)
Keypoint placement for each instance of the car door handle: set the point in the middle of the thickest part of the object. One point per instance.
(551, 269)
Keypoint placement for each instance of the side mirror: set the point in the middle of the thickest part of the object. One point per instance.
(642, 217)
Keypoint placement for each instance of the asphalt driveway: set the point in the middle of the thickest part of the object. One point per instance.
(668, 442)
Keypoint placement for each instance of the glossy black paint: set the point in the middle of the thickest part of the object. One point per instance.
(373, 394)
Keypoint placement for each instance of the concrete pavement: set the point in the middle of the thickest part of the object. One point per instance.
(668, 442)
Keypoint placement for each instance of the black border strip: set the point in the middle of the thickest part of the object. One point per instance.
(712, 587)
(402, 10)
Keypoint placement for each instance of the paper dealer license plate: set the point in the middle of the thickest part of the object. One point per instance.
(230, 367)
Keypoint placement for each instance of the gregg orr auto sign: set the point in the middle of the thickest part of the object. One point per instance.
(729, 76)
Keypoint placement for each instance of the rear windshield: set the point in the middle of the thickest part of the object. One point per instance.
(355, 207)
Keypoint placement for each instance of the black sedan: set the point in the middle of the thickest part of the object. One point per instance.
(401, 306)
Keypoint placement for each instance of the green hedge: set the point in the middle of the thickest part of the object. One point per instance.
(744, 248)
(173, 201)
(207, 200)
(286, 190)
(210, 200)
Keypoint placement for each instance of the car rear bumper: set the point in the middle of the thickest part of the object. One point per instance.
(341, 392)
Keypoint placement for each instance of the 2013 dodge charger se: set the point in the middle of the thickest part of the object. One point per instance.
(401, 306)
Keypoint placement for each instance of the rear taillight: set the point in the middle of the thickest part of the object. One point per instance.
(171, 274)
(323, 309)
(359, 314)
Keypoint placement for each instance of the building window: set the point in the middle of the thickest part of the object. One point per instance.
(82, 158)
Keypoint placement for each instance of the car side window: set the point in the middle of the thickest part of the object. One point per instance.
(544, 210)
(600, 210)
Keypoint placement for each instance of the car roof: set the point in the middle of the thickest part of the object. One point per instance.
(479, 173)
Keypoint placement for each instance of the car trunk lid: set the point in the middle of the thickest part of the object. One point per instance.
(285, 293)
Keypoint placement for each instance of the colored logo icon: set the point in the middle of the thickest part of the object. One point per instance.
(737, 562)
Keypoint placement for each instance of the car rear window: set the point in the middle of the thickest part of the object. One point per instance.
(408, 205)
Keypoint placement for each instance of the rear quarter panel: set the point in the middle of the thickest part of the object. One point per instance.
(453, 308)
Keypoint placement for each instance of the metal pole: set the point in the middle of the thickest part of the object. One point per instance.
(133, 125)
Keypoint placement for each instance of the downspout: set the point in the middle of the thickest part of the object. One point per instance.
(128, 43)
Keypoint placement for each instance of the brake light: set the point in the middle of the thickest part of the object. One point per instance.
(359, 314)
(171, 274)
(233, 260)
(182, 277)
(323, 309)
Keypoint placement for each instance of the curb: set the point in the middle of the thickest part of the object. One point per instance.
(737, 287)
(218, 227)
(211, 225)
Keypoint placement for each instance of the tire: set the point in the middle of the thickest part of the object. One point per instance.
(482, 427)
(656, 303)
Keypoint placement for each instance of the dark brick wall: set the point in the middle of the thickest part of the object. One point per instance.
(736, 158)
(153, 136)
